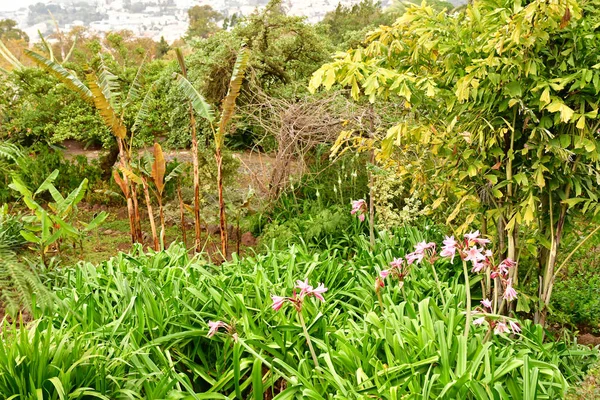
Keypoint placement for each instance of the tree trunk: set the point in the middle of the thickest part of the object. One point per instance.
(222, 217)
(108, 160)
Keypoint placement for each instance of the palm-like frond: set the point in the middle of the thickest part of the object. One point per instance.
(111, 119)
(235, 85)
(70, 53)
(143, 113)
(66, 77)
(198, 101)
(159, 167)
(9, 56)
(109, 84)
(47, 46)
(134, 90)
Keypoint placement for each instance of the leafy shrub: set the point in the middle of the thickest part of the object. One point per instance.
(40, 161)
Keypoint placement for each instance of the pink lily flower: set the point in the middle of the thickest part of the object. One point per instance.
(509, 293)
(213, 327)
(486, 304)
(278, 302)
(384, 274)
(477, 267)
(412, 257)
(361, 217)
(514, 327)
(500, 328)
(449, 248)
(474, 255)
(396, 263)
(318, 291)
(479, 321)
(473, 238)
(304, 287)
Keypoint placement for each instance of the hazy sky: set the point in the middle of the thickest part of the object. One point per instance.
(10, 5)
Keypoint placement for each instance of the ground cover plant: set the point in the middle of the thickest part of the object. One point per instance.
(149, 323)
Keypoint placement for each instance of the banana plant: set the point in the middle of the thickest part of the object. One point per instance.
(103, 92)
(153, 169)
(206, 111)
(47, 226)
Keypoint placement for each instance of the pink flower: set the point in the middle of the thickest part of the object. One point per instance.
(473, 238)
(412, 257)
(477, 267)
(422, 246)
(506, 265)
(213, 327)
(514, 327)
(304, 287)
(500, 328)
(318, 292)
(384, 274)
(396, 263)
(474, 255)
(278, 302)
(509, 293)
(486, 304)
(358, 205)
(449, 248)
(479, 321)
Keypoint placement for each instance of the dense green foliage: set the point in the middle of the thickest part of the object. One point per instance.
(142, 320)
(447, 121)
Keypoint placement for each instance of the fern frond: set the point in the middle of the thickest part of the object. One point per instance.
(66, 77)
(19, 284)
(235, 85)
(10, 151)
(111, 119)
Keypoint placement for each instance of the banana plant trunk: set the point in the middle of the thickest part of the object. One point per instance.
(222, 216)
(181, 214)
(151, 215)
(127, 193)
(136, 213)
(197, 245)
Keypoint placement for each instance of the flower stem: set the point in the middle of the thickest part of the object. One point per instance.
(380, 300)
(468, 292)
(312, 351)
(437, 282)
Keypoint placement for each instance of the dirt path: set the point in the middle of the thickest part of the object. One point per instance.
(254, 172)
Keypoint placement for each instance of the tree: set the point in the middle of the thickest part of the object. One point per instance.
(362, 16)
(162, 47)
(10, 31)
(203, 21)
(504, 97)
